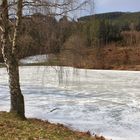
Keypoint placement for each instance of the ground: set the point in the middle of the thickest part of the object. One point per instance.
(13, 128)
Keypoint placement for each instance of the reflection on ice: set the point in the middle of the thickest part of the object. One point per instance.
(104, 102)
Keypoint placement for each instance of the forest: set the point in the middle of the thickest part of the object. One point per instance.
(101, 41)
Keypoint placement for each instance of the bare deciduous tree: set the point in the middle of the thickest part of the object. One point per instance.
(15, 9)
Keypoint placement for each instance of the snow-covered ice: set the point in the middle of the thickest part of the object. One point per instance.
(103, 102)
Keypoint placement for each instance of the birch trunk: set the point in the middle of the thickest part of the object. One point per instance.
(10, 55)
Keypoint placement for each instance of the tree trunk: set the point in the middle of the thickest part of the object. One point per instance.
(17, 99)
(9, 51)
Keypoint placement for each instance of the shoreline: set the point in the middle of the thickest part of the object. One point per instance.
(12, 127)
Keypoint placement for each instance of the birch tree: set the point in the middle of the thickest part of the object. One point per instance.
(11, 15)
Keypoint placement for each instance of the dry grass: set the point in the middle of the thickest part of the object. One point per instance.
(13, 128)
(108, 57)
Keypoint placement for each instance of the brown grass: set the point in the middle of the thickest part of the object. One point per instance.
(108, 57)
(13, 128)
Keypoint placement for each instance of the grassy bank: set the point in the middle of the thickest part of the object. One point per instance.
(108, 57)
(13, 128)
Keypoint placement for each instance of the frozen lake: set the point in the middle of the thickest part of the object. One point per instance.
(103, 102)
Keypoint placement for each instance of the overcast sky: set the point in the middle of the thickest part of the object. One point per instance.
(102, 6)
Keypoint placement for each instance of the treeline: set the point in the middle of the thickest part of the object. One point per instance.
(44, 34)
(41, 34)
(113, 27)
(121, 19)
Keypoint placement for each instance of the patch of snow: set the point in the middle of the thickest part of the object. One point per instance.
(34, 59)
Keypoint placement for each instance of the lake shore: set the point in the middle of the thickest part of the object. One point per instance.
(123, 67)
(12, 127)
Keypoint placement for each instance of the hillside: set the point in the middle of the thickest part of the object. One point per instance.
(115, 17)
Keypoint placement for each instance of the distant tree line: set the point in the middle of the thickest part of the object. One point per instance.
(46, 34)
